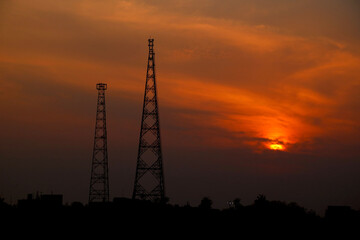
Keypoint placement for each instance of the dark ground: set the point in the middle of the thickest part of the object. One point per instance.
(144, 218)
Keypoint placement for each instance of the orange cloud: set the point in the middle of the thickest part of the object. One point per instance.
(255, 82)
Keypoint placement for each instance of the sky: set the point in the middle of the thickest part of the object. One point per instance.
(255, 97)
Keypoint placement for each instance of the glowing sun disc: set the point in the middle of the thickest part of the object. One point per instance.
(276, 146)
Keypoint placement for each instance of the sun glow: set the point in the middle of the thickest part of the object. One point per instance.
(278, 138)
(276, 146)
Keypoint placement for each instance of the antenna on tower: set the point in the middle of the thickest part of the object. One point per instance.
(99, 182)
(149, 178)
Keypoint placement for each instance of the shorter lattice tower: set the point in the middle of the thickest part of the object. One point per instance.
(99, 182)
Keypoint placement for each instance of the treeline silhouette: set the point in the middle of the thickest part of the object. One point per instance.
(262, 212)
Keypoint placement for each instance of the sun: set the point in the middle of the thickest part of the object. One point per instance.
(276, 146)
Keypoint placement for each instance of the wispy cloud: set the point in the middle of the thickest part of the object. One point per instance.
(253, 79)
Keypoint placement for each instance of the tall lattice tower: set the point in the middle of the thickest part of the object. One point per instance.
(149, 178)
(99, 183)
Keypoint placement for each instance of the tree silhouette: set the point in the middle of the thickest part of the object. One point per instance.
(237, 203)
(206, 203)
(261, 200)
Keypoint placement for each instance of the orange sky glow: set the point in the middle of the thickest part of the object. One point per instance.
(229, 76)
(264, 85)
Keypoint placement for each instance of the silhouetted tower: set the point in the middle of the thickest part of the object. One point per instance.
(99, 183)
(149, 178)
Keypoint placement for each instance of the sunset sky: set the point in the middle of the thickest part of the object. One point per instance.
(255, 97)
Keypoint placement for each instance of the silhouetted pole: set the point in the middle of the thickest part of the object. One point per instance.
(99, 182)
(149, 178)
